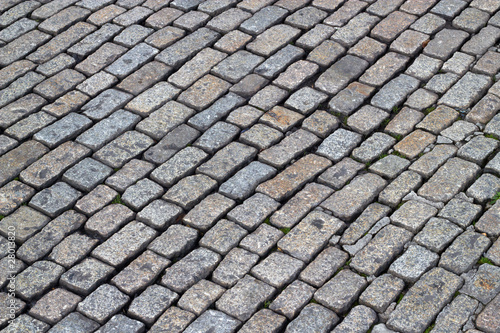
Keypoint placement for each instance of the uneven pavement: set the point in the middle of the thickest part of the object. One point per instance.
(249, 166)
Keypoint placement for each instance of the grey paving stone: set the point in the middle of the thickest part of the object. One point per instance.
(390, 166)
(253, 211)
(208, 86)
(471, 20)
(340, 74)
(391, 26)
(244, 182)
(447, 182)
(234, 266)
(356, 28)
(324, 266)
(326, 53)
(181, 164)
(23, 45)
(12, 309)
(132, 60)
(130, 173)
(484, 284)
(364, 223)
(165, 119)
(87, 174)
(394, 92)
(174, 141)
(264, 320)
(122, 149)
(151, 303)
(292, 299)
(13, 71)
(385, 68)
(452, 39)
(321, 123)
(192, 20)
(25, 322)
(37, 279)
(310, 236)
(72, 249)
(456, 314)
(487, 319)
(459, 130)
(484, 188)
(244, 116)
(199, 297)
(296, 74)
(26, 127)
(466, 91)
(381, 250)
(405, 183)
(367, 119)
(414, 262)
(16, 9)
(261, 136)
(189, 270)
(337, 298)
(382, 292)
(105, 104)
(281, 118)
(163, 17)
(460, 212)
(17, 29)
(97, 83)
(132, 16)
(341, 173)
(422, 99)
(204, 215)
(278, 269)
(464, 252)
(173, 320)
(93, 41)
(122, 323)
(481, 42)
(313, 317)
(214, 7)
(132, 35)
(103, 303)
(181, 50)
(305, 100)
(262, 240)
(101, 58)
(212, 319)
(165, 37)
(140, 273)
(306, 18)
(249, 85)
(176, 241)
(413, 215)
(478, 149)
(20, 108)
(62, 130)
(347, 11)
(431, 161)
(216, 137)
(242, 300)
(190, 190)
(55, 199)
(315, 36)
(280, 35)
(268, 97)
(108, 129)
(237, 65)
(263, 19)
(203, 120)
(54, 232)
(140, 194)
(458, 64)
(359, 319)
(114, 252)
(442, 82)
(75, 322)
(159, 214)
(55, 305)
(106, 14)
(20, 87)
(484, 110)
(279, 61)
(424, 301)
(409, 42)
(353, 198)
(12, 195)
(145, 77)
(61, 42)
(437, 234)
(86, 276)
(339, 144)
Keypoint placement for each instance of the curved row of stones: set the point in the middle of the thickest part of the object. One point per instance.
(251, 166)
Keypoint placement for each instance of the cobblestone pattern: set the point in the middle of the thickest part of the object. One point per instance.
(250, 166)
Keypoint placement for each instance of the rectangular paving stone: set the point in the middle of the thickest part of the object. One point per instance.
(132, 16)
(12, 195)
(315, 36)
(114, 252)
(198, 298)
(204, 92)
(15, 70)
(253, 211)
(384, 69)
(244, 182)
(103, 303)
(424, 301)
(37, 279)
(55, 305)
(106, 14)
(451, 178)
(28, 218)
(413, 215)
(483, 285)
(124, 148)
(445, 43)
(391, 26)
(63, 19)
(235, 265)
(409, 42)
(296, 74)
(22, 46)
(478, 149)
(19, 88)
(204, 215)
(175, 140)
(237, 66)
(17, 29)
(97, 83)
(63, 130)
(338, 298)
(356, 28)
(364, 223)
(150, 304)
(108, 220)
(190, 190)
(366, 119)
(76, 280)
(466, 91)
(306, 239)
(48, 168)
(223, 236)
(431, 161)
(374, 146)
(144, 77)
(159, 214)
(299, 205)
(377, 255)
(324, 266)
(339, 144)
(133, 35)
(273, 39)
(173, 320)
(488, 223)
(315, 317)
(340, 74)
(55, 199)
(262, 240)
(405, 183)
(175, 242)
(217, 136)
(26, 127)
(488, 319)
(295, 176)
(15, 9)
(484, 110)
(70, 102)
(481, 42)
(163, 17)
(96, 199)
(163, 120)
(105, 103)
(277, 269)
(19, 158)
(414, 143)
(183, 49)
(226, 161)
(61, 42)
(339, 174)
(464, 252)
(59, 84)
(219, 109)
(279, 61)
(268, 97)
(190, 269)
(151, 99)
(211, 320)
(354, 197)
(107, 129)
(132, 60)
(102, 57)
(414, 262)
(382, 292)
(394, 92)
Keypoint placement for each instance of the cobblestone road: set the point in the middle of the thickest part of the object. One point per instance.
(249, 166)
